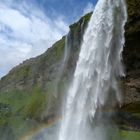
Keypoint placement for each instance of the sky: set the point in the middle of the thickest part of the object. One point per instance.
(30, 27)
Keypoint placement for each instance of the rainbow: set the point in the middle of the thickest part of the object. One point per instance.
(35, 131)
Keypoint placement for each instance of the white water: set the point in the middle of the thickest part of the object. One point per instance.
(63, 65)
(97, 71)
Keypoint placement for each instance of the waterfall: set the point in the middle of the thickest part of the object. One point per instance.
(95, 81)
(63, 63)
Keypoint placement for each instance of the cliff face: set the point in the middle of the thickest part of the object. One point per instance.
(131, 54)
(30, 88)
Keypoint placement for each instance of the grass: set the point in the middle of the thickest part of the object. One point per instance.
(23, 102)
(130, 135)
(20, 110)
(76, 25)
(118, 134)
(54, 53)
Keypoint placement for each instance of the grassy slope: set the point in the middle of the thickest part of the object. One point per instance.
(130, 135)
(20, 109)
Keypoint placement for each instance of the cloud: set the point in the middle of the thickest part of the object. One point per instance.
(26, 33)
(89, 8)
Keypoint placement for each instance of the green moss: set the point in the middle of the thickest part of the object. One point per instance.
(54, 53)
(58, 48)
(24, 103)
(23, 71)
(35, 104)
(17, 74)
(130, 135)
(133, 9)
(21, 110)
(132, 108)
(16, 100)
(87, 17)
(84, 19)
(2, 121)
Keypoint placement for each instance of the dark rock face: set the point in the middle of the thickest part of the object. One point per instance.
(131, 54)
(133, 9)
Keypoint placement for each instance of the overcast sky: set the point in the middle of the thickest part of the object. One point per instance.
(29, 27)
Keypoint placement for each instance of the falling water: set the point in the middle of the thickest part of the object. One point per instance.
(63, 64)
(97, 72)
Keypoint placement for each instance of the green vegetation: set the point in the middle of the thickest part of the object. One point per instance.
(130, 135)
(84, 20)
(18, 73)
(23, 72)
(54, 53)
(133, 8)
(21, 110)
(132, 109)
